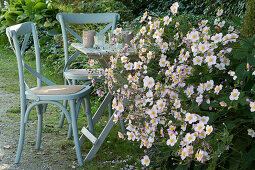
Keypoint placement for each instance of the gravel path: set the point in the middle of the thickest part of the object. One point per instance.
(7, 140)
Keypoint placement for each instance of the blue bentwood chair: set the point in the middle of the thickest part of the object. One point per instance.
(40, 96)
(73, 75)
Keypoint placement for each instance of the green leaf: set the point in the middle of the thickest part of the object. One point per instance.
(40, 6)
(22, 18)
(253, 89)
(240, 53)
(230, 125)
(49, 24)
(242, 99)
(251, 60)
(38, 17)
(212, 117)
(241, 72)
(52, 32)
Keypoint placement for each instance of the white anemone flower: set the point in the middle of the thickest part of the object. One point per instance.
(223, 104)
(174, 8)
(148, 82)
(172, 140)
(199, 127)
(189, 138)
(167, 20)
(143, 30)
(221, 24)
(211, 60)
(234, 95)
(145, 161)
(197, 60)
(219, 12)
(209, 85)
(251, 133)
(128, 66)
(204, 119)
(217, 89)
(189, 91)
(190, 118)
(177, 103)
(117, 31)
(203, 47)
(217, 38)
(194, 36)
(209, 129)
(252, 105)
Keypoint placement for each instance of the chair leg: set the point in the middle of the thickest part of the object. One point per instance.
(75, 132)
(44, 108)
(62, 119)
(22, 132)
(88, 112)
(61, 122)
(39, 109)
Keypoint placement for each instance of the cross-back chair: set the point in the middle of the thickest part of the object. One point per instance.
(73, 75)
(40, 96)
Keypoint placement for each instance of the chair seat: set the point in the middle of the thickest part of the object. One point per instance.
(93, 72)
(57, 90)
(84, 74)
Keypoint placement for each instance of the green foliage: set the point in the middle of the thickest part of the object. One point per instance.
(248, 29)
(97, 6)
(208, 7)
(40, 12)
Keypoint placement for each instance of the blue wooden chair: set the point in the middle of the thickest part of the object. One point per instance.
(73, 75)
(40, 96)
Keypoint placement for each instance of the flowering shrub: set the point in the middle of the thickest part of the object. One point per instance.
(179, 94)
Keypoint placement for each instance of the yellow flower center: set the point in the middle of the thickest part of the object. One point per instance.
(210, 60)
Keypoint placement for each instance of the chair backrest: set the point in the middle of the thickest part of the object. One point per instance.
(16, 32)
(73, 18)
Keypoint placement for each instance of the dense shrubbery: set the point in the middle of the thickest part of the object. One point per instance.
(189, 97)
(42, 12)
